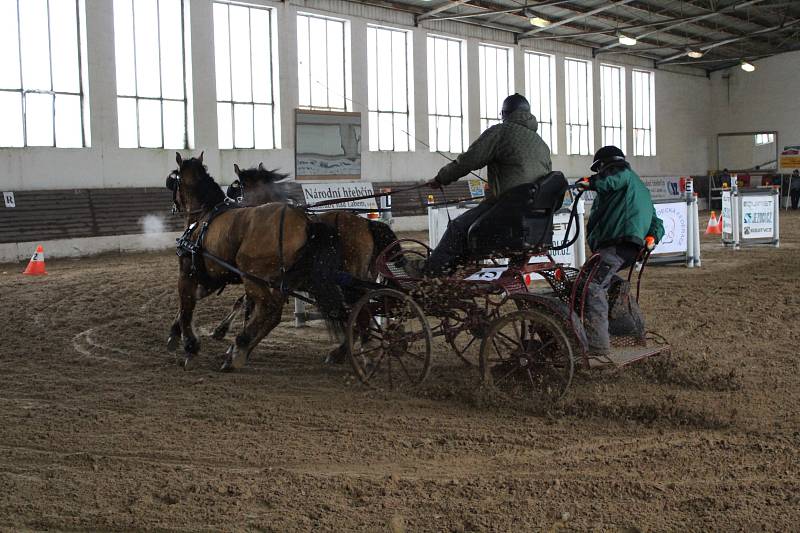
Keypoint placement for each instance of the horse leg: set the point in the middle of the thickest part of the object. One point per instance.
(222, 329)
(265, 315)
(174, 334)
(188, 299)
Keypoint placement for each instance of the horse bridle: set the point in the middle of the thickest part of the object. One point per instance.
(174, 184)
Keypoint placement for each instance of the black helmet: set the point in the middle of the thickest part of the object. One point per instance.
(513, 103)
(605, 156)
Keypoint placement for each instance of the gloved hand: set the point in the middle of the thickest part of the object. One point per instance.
(433, 184)
(649, 243)
(583, 184)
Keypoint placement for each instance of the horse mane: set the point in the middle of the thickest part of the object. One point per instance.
(258, 177)
(208, 190)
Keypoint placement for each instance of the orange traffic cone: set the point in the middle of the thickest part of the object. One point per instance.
(36, 264)
(714, 227)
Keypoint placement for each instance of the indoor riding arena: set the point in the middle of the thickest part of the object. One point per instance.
(420, 265)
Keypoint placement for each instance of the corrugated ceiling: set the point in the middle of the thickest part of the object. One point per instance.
(725, 31)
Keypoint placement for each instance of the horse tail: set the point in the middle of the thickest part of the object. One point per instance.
(325, 251)
(382, 238)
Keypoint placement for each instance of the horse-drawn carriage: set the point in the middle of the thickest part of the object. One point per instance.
(531, 338)
(530, 334)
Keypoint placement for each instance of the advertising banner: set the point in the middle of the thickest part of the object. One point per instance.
(318, 192)
(674, 215)
(758, 216)
(790, 158)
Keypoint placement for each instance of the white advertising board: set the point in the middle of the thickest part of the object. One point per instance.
(674, 215)
(321, 191)
(757, 216)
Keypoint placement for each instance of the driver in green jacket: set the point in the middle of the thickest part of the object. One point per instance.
(622, 221)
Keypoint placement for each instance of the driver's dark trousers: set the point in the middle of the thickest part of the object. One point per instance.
(453, 246)
(613, 259)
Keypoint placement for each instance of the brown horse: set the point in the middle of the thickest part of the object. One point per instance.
(362, 240)
(272, 245)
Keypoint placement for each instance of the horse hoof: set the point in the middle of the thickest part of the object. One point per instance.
(336, 357)
(189, 363)
(172, 342)
(233, 362)
(219, 333)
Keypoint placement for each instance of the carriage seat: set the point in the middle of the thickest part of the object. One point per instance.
(521, 219)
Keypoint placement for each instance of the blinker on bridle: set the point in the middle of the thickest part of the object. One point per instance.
(173, 181)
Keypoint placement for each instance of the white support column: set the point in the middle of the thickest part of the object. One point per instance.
(102, 91)
(519, 70)
(596, 109)
(287, 61)
(358, 62)
(420, 74)
(628, 149)
(473, 91)
(561, 106)
(204, 91)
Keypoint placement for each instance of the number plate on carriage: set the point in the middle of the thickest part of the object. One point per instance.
(487, 274)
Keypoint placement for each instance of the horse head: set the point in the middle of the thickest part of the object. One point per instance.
(193, 189)
(258, 185)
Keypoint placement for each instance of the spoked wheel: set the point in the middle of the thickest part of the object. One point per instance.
(389, 340)
(461, 340)
(527, 355)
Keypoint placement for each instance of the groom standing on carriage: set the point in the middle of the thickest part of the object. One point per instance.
(514, 155)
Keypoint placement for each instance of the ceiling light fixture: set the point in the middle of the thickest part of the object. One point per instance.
(747, 67)
(539, 22)
(694, 54)
(627, 41)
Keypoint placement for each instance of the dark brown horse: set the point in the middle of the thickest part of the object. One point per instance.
(272, 245)
(362, 240)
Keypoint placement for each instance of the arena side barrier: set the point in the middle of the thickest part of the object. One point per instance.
(681, 240)
(750, 217)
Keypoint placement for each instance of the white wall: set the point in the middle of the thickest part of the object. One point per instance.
(764, 100)
(683, 103)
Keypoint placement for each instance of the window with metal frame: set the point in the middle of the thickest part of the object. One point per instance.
(644, 113)
(540, 88)
(390, 88)
(244, 57)
(612, 105)
(152, 73)
(764, 138)
(579, 124)
(447, 117)
(496, 72)
(42, 79)
(323, 63)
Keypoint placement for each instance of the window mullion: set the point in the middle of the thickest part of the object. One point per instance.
(252, 88)
(230, 77)
(50, 61)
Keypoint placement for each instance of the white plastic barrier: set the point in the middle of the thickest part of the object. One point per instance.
(750, 217)
(681, 240)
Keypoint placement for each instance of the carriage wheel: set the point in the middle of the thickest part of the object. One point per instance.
(389, 340)
(527, 355)
(462, 341)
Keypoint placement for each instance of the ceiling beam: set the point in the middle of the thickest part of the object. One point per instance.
(443, 7)
(682, 23)
(717, 44)
(575, 17)
(491, 11)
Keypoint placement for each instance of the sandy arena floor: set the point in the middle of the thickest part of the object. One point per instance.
(101, 430)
